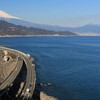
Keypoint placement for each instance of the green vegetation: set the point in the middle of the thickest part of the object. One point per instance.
(11, 29)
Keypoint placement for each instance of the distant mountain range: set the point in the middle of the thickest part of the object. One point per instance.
(9, 29)
(86, 29)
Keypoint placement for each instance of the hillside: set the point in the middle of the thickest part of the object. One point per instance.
(11, 29)
(88, 29)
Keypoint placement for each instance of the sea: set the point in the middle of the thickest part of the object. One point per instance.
(71, 64)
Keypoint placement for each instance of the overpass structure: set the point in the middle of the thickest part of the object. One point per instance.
(29, 84)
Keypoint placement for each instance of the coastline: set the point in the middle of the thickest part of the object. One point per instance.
(34, 35)
(5, 36)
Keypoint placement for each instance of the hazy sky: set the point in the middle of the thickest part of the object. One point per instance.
(54, 12)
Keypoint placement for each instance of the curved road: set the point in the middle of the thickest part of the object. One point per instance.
(29, 86)
(12, 76)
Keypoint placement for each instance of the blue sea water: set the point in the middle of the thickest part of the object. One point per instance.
(71, 64)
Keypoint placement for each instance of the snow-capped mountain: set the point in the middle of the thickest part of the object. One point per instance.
(89, 28)
(17, 21)
(4, 15)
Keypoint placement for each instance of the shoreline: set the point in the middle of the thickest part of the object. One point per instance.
(5, 36)
(34, 35)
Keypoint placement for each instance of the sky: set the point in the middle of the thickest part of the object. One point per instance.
(68, 13)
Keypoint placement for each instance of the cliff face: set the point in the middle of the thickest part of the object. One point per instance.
(11, 29)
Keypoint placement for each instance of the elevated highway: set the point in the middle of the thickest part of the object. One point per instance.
(29, 84)
(8, 81)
